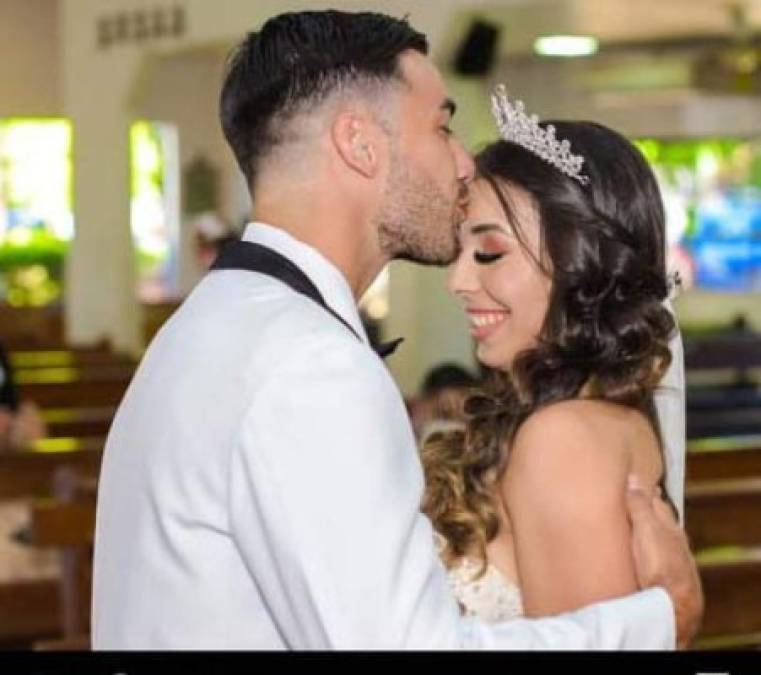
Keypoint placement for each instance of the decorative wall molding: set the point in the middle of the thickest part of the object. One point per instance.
(140, 26)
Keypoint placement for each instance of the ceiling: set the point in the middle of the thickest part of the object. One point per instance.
(611, 21)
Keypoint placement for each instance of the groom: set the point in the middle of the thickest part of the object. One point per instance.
(260, 485)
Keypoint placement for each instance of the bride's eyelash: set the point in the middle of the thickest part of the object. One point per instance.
(486, 258)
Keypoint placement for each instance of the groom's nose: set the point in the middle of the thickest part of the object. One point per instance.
(463, 161)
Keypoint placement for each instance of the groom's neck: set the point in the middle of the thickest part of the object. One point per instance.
(337, 231)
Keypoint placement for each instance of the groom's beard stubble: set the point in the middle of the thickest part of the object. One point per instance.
(417, 220)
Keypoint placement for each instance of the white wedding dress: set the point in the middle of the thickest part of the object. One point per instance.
(490, 597)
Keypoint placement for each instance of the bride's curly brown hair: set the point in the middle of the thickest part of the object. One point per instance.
(602, 245)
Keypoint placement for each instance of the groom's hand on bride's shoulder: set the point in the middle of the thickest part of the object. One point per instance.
(662, 558)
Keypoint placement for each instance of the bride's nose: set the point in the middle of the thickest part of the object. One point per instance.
(462, 279)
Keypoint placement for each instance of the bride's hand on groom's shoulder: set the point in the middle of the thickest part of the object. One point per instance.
(662, 558)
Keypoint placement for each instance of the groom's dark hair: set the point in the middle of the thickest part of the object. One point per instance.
(294, 62)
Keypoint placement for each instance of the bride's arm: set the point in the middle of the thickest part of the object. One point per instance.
(564, 490)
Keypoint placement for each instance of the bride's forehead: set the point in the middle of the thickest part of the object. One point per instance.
(477, 229)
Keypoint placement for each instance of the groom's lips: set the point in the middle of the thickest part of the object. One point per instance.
(485, 322)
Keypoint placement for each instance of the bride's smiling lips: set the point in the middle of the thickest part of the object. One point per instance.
(485, 322)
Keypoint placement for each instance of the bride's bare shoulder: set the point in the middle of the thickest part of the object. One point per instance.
(595, 424)
(581, 442)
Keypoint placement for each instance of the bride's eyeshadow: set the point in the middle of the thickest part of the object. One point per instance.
(490, 248)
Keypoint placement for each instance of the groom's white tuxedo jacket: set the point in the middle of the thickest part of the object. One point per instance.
(261, 488)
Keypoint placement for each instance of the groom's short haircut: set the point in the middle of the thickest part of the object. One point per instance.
(295, 62)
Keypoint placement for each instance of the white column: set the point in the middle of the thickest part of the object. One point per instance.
(100, 295)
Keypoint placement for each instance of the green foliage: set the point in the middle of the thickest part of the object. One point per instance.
(31, 268)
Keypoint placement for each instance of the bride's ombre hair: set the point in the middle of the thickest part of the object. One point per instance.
(606, 329)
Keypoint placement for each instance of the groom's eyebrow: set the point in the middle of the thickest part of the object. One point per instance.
(450, 106)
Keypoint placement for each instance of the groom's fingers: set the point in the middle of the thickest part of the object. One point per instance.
(665, 513)
(644, 526)
(640, 503)
(647, 509)
(662, 557)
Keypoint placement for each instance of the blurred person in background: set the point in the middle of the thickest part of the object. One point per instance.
(442, 394)
(20, 421)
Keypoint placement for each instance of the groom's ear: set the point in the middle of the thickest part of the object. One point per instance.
(355, 138)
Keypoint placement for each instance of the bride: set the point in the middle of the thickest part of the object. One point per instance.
(562, 273)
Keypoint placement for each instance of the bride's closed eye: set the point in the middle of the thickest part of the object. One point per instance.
(486, 258)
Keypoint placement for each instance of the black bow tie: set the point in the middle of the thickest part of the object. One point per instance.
(385, 349)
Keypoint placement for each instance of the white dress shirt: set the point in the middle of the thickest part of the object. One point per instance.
(260, 489)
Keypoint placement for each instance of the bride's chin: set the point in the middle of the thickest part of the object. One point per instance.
(491, 360)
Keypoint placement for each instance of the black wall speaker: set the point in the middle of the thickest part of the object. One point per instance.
(476, 54)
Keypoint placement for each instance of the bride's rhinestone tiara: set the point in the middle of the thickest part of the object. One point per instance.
(517, 127)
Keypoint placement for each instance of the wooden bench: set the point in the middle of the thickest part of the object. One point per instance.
(42, 327)
(76, 422)
(731, 580)
(53, 614)
(30, 326)
(739, 351)
(66, 358)
(72, 378)
(78, 391)
(29, 611)
(721, 371)
(67, 523)
(741, 420)
(29, 472)
(723, 513)
(724, 458)
(70, 387)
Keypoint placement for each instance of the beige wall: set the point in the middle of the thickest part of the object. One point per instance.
(29, 58)
(698, 310)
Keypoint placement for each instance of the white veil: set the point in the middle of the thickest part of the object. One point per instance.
(670, 404)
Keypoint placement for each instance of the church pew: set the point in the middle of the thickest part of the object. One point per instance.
(724, 458)
(155, 316)
(76, 390)
(739, 351)
(95, 373)
(731, 580)
(67, 523)
(722, 373)
(66, 358)
(42, 611)
(76, 422)
(72, 378)
(29, 472)
(29, 611)
(42, 327)
(22, 327)
(36, 611)
(735, 421)
(723, 513)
